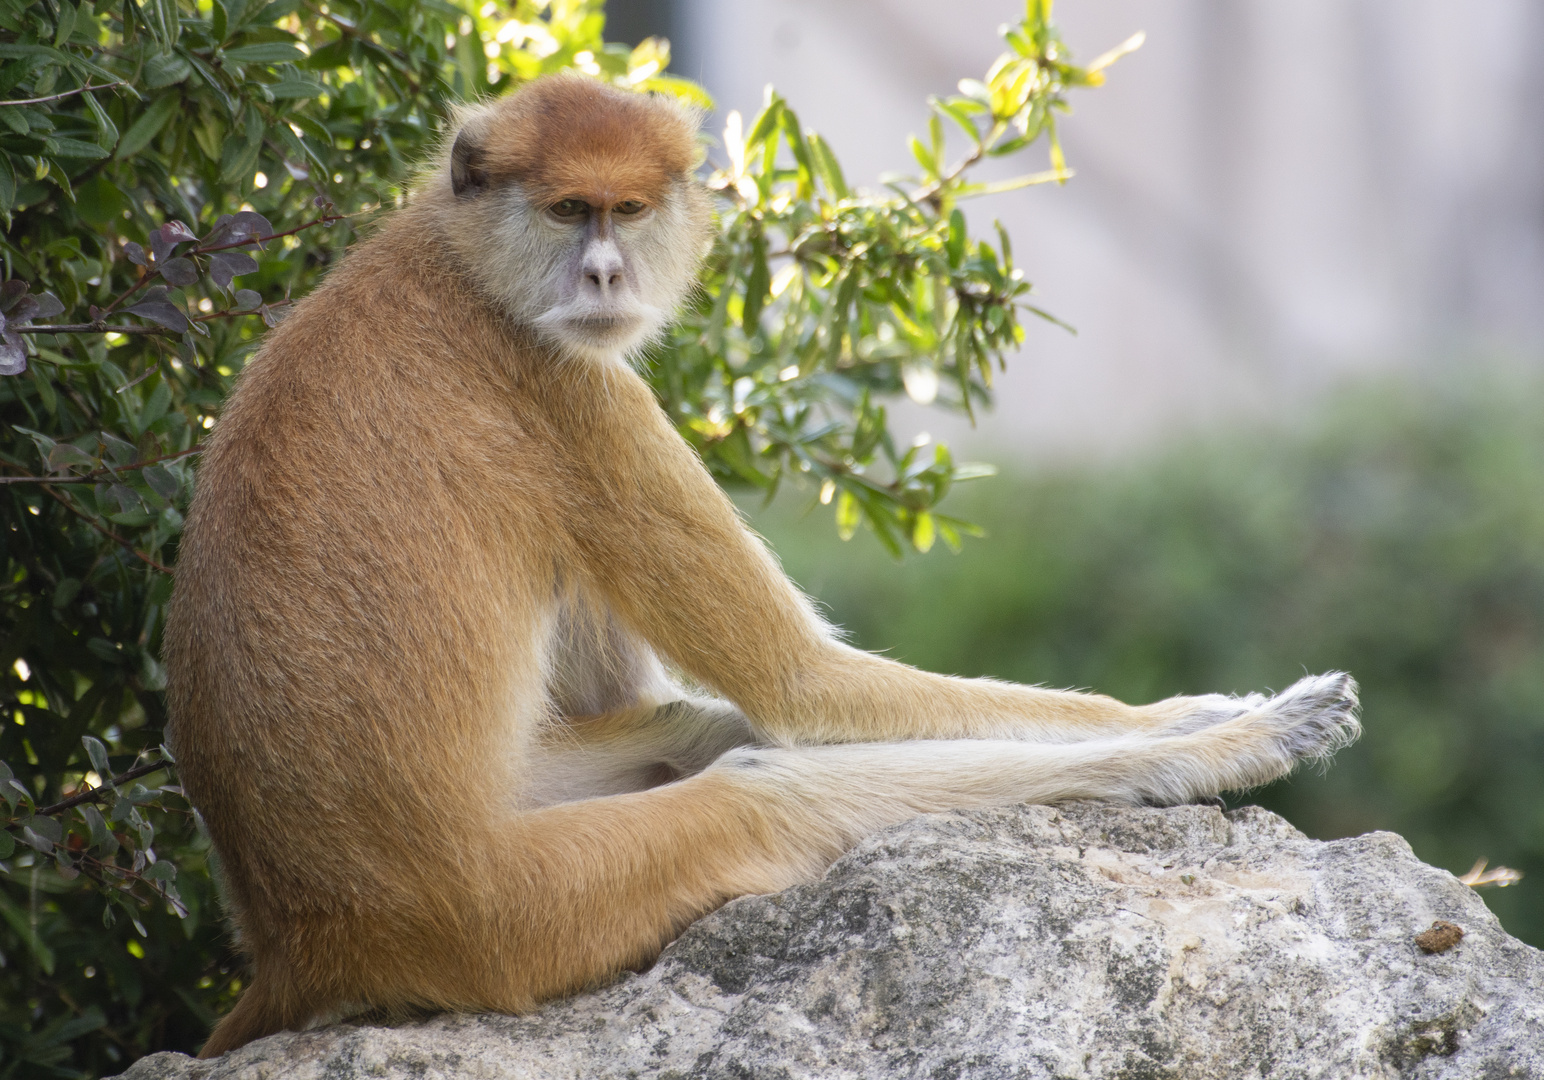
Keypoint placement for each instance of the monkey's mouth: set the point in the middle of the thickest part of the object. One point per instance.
(608, 330)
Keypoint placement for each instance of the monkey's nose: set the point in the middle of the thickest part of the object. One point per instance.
(602, 269)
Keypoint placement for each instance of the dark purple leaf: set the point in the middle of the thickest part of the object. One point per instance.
(161, 246)
(48, 306)
(13, 355)
(270, 316)
(160, 310)
(257, 223)
(11, 292)
(177, 232)
(225, 265)
(135, 253)
(320, 201)
(30, 308)
(247, 300)
(235, 228)
(179, 271)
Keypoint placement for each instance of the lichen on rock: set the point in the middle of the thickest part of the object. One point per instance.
(1081, 941)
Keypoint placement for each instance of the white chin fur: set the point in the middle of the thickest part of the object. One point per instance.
(595, 336)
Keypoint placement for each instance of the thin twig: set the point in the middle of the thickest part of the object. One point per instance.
(100, 326)
(148, 275)
(930, 193)
(95, 475)
(323, 220)
(67, 93)
(102, 791)
(72, 508)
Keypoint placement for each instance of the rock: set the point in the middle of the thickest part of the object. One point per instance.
(1075, 941)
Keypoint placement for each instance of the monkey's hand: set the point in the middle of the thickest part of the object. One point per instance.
(1312, 718)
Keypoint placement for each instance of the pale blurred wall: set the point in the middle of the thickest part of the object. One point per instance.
(1269, 196)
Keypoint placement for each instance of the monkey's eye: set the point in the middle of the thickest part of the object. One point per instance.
(569, 209)
(628, 208)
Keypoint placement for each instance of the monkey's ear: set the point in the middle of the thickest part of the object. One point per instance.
(468, 175)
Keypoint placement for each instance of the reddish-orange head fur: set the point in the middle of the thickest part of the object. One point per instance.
(572, 137)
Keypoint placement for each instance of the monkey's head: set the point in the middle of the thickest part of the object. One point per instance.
(573, 206)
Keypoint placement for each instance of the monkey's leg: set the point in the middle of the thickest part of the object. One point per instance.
(630, 749)
(601, 885)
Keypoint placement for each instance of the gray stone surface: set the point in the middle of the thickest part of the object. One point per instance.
(1029, 942)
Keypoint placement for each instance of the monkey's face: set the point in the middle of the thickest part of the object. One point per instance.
(576, 211)
(598, 271)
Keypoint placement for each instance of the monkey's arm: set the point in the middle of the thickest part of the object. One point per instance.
(678, 565)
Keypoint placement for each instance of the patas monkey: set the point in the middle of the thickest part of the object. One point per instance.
(443, 547)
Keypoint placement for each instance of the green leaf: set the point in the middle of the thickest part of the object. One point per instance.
(290, 89)
(973, 470)
(757, 284)
(99, 200)
(826, 164)
(924, 157)
(7, 186)
(238, 156)
(166, 69)
(101, 836)
(764, 124)
(107, 131)
(66, 24)
(959, 110)
(75, 148)
(954, 246)
(161, 480)
(97, 753)
(922, 532)
(148, 125)
(268, 52)
(846, 515)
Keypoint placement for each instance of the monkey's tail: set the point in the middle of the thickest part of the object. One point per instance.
(269, 1005)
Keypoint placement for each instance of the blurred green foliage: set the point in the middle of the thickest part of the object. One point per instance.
(1400, 538)
(172, 172)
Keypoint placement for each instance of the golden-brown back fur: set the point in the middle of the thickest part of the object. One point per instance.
(433, 565)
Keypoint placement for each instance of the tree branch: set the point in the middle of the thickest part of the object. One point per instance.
(101, 791)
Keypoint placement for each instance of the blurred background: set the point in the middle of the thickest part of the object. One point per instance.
(1301, 423)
